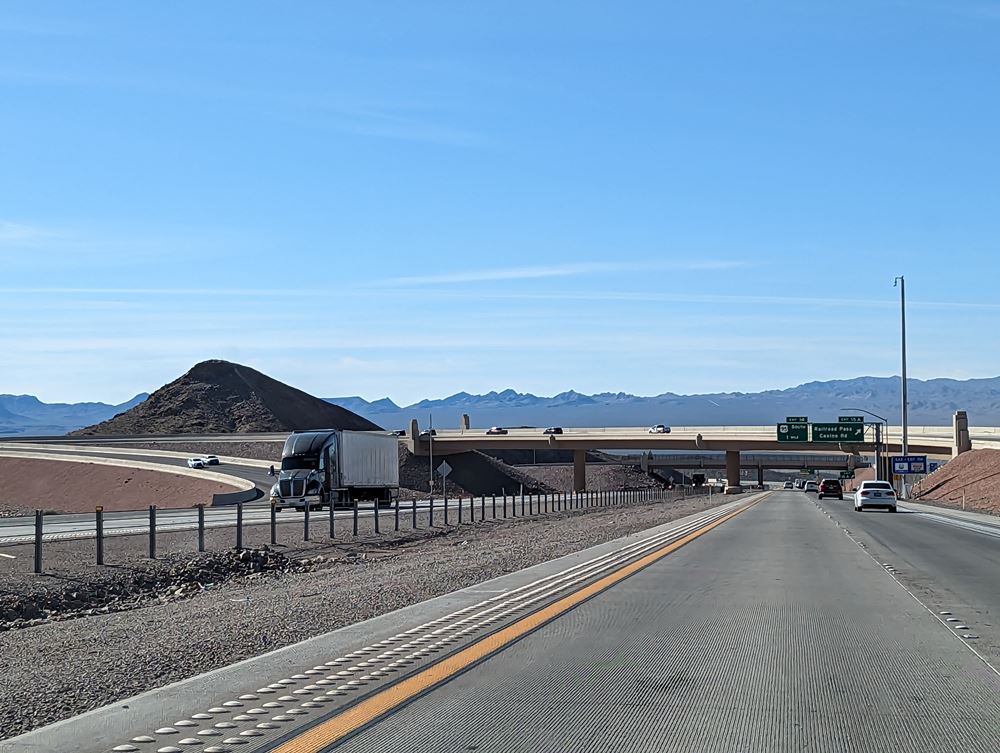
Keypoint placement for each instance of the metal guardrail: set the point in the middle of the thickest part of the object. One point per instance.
(467, 510)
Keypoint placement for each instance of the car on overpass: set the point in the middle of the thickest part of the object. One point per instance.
(659, 429)
(875, 494)
(553, 430)
(496, 430)
(830, 487)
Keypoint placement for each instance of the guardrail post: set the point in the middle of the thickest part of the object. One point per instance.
(431, 509)
(375, 511)
(274, 523)
(201, 528)
(239, 526)
(354, 504)
(444, 493)
(414, 513)
(494, 506)
(152, 532)
(305, 521)
(460, 509)
(482, 509)
(395, 522)
(333, 516)
(38, 541)
(505, 505)
(522, 503)
(99, 531)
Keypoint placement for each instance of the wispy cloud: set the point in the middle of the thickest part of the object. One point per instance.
(17, 234)
(577, 269)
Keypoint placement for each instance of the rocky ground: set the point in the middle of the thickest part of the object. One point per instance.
(600, 476)
(972, 479)
(96, 635)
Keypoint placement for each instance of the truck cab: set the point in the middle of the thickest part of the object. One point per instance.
(304, 478)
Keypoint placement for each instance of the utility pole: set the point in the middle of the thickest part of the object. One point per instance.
(901, 284)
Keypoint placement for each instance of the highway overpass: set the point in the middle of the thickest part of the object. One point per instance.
(731, 440)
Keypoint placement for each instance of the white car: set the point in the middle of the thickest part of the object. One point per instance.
(788, 485)
(811, 486)
(875, 494)
(659, 429)
(197, 463)
(210, 459)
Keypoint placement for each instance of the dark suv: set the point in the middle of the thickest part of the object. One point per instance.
(830, 487)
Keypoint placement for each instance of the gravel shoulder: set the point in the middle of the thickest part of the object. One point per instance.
(58, 669)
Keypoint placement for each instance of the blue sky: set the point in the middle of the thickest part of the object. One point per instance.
(412, 199)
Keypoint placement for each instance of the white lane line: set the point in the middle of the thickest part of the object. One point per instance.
(8, 556)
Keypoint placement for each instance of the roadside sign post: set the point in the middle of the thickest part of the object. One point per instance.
(444, 469)
(903, 465)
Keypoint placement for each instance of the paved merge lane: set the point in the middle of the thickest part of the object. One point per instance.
(948, 567)
(774, 632)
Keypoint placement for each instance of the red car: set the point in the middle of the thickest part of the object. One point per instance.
(830, 487)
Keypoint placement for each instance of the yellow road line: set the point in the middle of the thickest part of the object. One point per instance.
(332, 730)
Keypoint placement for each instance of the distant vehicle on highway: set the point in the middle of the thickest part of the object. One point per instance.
(788, 485)
(197, 463)
(553, 430)
(659, 429)
(799, 483)
(428, 433)
(496, 430)
(875, 494)
(810, 486)
(830, 487)
(210, 459)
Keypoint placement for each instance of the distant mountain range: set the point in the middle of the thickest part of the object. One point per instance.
(932, 402)
(27, 415)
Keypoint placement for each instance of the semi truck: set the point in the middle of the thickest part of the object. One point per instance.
(336, 467)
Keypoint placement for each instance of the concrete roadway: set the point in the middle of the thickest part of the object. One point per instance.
(775, 632)
(765, 628)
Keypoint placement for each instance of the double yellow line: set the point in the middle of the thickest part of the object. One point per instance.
(335, 729)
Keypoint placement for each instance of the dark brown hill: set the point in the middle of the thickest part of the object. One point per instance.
(219, 397)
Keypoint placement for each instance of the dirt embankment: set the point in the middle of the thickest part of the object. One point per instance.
(973, 476)
(265, 451)
(27, 485)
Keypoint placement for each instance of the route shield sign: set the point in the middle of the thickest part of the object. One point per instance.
(838, 432)
(851, 419)
(793, 432)
(903, 464)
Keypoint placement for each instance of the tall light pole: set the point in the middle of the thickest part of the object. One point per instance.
(901, 284)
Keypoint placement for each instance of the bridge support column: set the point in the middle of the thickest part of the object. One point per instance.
(962, 441)
(579, 470)
(733, 472)
(464, 424)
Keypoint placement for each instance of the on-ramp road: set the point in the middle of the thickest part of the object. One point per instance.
(760, 627)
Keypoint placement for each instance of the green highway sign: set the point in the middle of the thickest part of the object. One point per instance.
(796, 419)
(838, 432)
(851, 419)
(793, 432)
(805, 471)
(847, 474)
